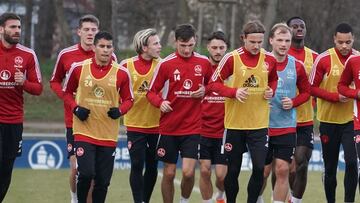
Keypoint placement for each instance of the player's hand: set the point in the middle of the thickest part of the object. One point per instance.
(165, 107)
(198, 93)
(287, 103)
(114, 113)
(268, 94)
(342, 98)
(81, 112)
(19, 77)
(242, 94)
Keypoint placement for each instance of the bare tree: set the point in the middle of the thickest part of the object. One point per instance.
(27, 22)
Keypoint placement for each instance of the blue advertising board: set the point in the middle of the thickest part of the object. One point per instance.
(40, 153)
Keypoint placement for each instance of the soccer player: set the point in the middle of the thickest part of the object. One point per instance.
(19, 72)
(282, 126)
(88, 27)
(212, 129)
(100, 85)
(305, 114)
(142, 121)
(249, 74)
(334, 111)
(181, 77)
(345, 87)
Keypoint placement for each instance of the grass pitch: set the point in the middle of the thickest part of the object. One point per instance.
(51, 186)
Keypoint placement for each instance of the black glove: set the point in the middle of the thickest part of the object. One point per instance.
(81, 112)
(114, 113)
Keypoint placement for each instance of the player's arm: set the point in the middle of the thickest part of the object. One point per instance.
(302, 84)
(222, 72)
(57, 77)
(125, 89)
(346, 79)
(272, 76)
(32, 82)
(70, 86)
(316, 76)
(156, 85)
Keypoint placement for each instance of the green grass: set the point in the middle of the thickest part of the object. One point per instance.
(48, 186)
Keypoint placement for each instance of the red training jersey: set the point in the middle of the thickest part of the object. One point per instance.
(302, 84)
(212, 114)
(66, 58)
(350, 74)
(226, 66)
(122, 84)
(177, 77)
(320, 70)
(14, 59)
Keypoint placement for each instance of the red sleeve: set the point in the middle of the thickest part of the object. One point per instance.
(346, 79)
(317, 74)
(222, 72)
(272, 77)
(58, 77)
(32, 84)
(124, 86)
(71, 85)
(302, 84)
(156, 86)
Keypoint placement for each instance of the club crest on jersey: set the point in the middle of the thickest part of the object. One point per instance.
(198, 70)
(99, 92)
(290, 74)
(80, 151)
(5, 75)
(187, 84)
(161, 152)
(18, 62)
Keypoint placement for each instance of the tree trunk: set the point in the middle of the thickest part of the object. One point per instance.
(103, 10)
(27, 22)
(66, 37)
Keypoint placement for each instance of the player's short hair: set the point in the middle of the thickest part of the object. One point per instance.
(141, 39)
(89, 18)
(280, 26)
(184, 32)
(220, 35)
(293, 18)
(343, 28)
(254, 26)
(8, 16)
(102, 35)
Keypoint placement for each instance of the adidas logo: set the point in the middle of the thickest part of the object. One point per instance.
(251, 82)
(144, 87)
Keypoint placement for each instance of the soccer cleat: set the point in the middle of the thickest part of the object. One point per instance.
(220, 201)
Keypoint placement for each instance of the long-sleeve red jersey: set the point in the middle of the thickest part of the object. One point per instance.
(67, 57)
(226, 66)
(213, 111)
(142, 66)
(320, 70)
(122, 84)
(14, 59)
(177, 77)
(302, 84)
(350, 74)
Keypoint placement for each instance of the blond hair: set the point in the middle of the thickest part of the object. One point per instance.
(283, 27)
(141, 39)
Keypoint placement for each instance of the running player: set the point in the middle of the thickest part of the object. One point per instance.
(19, 72)
(305, 114)
(249, 73)
(100, 85)
(181, 76)
(87, 28)
(282, 126)
(142, 121)
(335, 113)
(212, 129)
